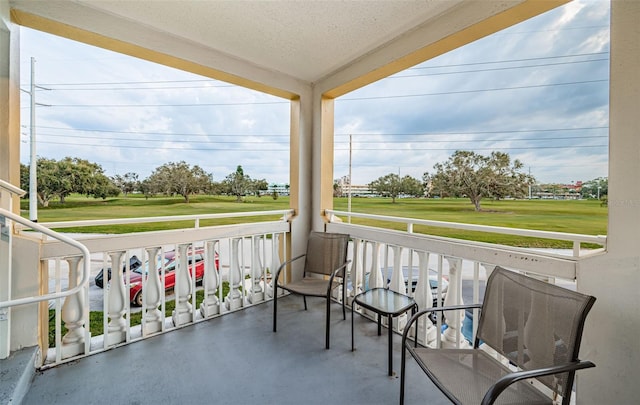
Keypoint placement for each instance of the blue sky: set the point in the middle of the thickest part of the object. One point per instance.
(538, 91)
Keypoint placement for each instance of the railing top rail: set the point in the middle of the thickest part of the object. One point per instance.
(121, 221)
(573, 237)
(63, 238)
(11, 188)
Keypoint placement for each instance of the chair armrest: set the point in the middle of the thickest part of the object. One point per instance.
(500, 385)
(335, 272)
(423, 312)
(282, 266)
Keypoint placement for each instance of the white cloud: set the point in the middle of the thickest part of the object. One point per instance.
(392, 132)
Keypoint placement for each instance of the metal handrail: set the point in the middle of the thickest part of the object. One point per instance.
(197, 217)
(571, 237)
(46, 297)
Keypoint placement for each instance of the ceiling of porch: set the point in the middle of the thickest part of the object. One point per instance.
(279, 46)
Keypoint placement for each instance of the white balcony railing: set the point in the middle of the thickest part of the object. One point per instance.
(229, 266)
(235, 273)
(448, 271)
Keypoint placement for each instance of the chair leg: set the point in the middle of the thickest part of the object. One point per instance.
(402, 366)
(275, 308)
(344, 300)
(328, 323)
(304, 298)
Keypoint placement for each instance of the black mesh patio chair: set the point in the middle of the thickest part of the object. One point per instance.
(325, 265)
(537, 326)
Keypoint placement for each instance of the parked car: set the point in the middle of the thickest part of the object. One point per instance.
(134, 263)
(170, 263)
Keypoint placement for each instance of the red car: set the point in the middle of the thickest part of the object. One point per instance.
(135, 280)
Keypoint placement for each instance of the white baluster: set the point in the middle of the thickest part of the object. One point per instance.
(183, 312)
(72, 314)
(275, 262)
(397, 276)
(452, 336)
(233, 300)
(424, 299)
(116, 300)
(355, 274)
(152, 294)
(398, 285)
(376, 279)
(256, 294)
(211, 304)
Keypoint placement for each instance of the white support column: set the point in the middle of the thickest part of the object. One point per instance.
(211, 304)
(184, 310)
(612, 328)
(10, 172)
(73, 314)
(152, 294)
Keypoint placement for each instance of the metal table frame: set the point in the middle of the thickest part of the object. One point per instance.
(383, 302)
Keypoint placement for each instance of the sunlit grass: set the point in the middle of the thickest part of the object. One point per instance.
(569, 216)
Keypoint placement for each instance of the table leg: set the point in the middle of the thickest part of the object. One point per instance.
(353, 304)
(379, 323)
(390, 327)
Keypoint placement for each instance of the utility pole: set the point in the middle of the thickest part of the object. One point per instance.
(349, 192)
(33, 179)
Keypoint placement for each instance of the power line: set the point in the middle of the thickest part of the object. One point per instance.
(478, 132)
(508, 131)
(511, 60)
(471, 91)
(339, 99)
(253, 141)
(244, 149)
(158, 133)
(495, 69)
(481, 140)
(168, 105)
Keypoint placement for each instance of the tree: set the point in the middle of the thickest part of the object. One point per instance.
(237, 183)
(392, 186)
(475, 176)
(258, 185)
(104, 188)
(596, 188)
(83, 177)
(127, 183)
(48, 180)
(179, 178)
(24, 176)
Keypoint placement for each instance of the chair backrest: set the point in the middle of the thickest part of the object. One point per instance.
(534, 324)
(325, 252)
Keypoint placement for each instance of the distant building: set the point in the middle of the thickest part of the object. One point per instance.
(281, 189)
(356, 190)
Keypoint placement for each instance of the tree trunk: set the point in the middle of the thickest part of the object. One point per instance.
(476, 203)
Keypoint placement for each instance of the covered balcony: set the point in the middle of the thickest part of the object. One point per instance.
(210, 339)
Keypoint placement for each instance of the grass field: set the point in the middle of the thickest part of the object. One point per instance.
(583, 216)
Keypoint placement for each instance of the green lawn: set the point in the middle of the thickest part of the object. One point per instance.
(584, 217)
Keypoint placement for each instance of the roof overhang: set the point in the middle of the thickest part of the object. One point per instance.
(280, 47)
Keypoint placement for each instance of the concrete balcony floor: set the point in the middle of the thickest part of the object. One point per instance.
(237, 359)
